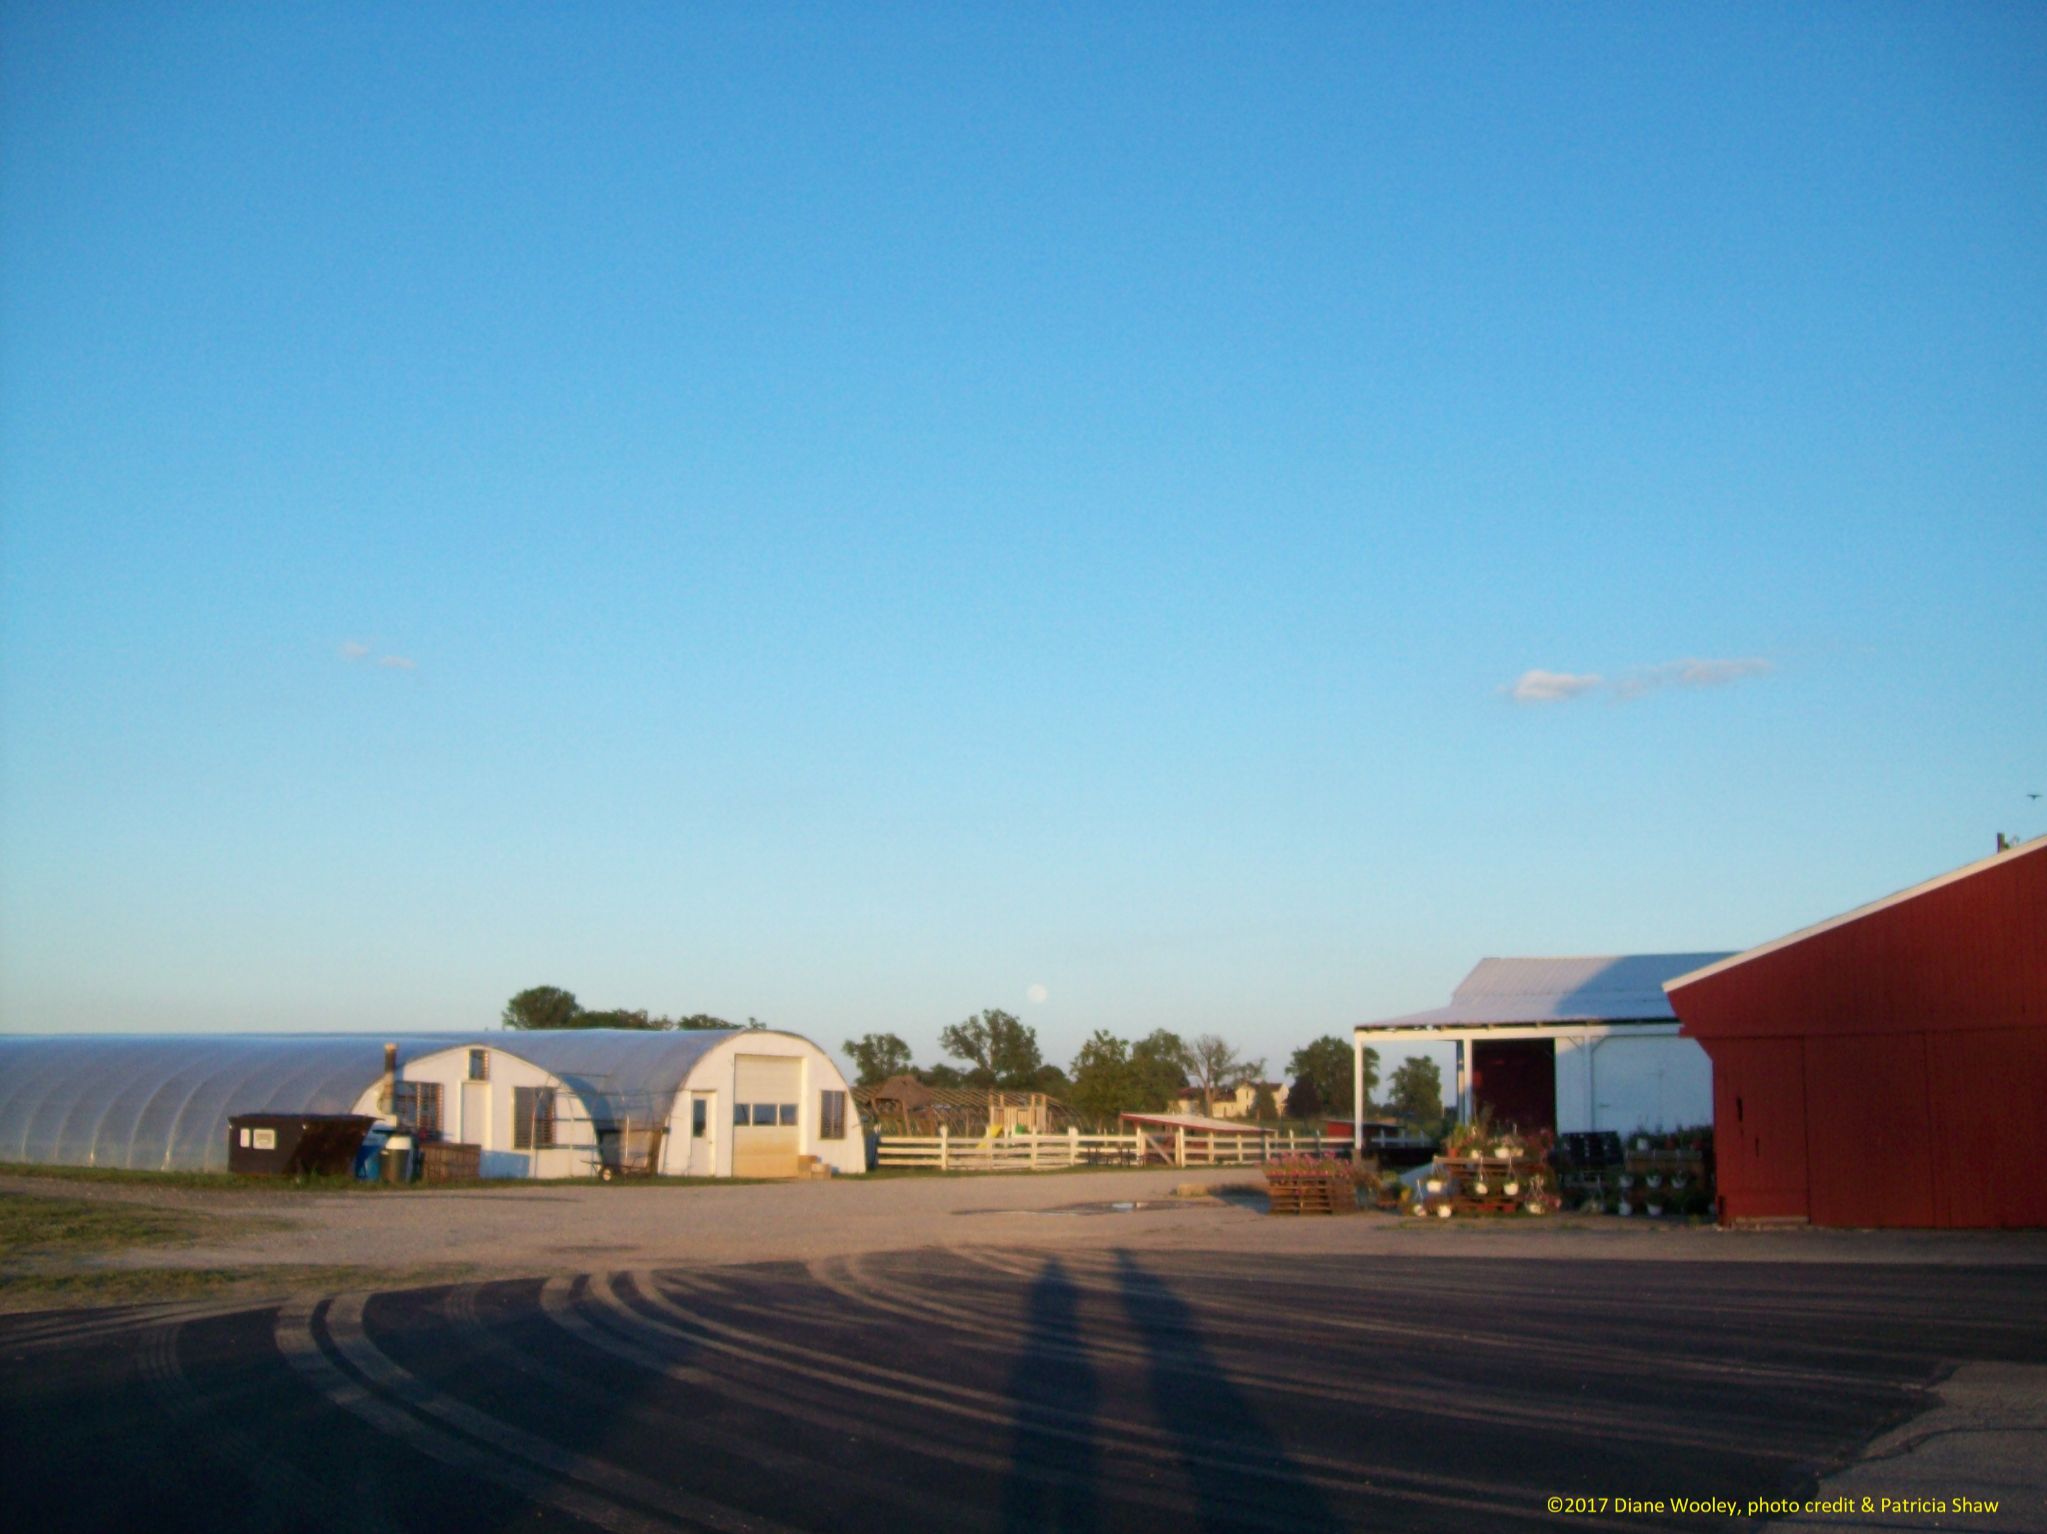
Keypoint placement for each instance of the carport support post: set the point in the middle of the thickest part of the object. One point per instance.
(1463, 1083)
(1357, 1097)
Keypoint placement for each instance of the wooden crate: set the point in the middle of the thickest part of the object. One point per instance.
(450, 1161)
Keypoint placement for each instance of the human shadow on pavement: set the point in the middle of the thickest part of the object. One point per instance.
(1052, 1484)
(1195, 1403)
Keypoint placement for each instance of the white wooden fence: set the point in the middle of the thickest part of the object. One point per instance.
(1035, 1153)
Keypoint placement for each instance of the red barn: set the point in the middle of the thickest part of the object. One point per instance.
(1887, 1067)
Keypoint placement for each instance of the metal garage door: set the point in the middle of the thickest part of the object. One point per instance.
(767, 1097)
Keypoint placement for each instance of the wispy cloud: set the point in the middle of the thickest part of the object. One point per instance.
(1562, 686)
(355, 652)
(1552, 686)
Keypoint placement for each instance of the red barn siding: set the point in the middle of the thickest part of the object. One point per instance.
(1986, 1089)
(1759, 1129)
(1868, 1130)
(1886, 1069)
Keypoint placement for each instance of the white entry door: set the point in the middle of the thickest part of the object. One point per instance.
(702, 1127)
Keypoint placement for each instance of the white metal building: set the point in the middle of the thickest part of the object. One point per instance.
(728, 1102)
(1564, 1044)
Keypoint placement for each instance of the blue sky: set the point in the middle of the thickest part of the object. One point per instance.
(846, 514)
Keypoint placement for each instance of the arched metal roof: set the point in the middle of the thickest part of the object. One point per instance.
(161, 1103)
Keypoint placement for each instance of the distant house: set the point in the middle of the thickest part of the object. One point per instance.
(1237, 1102)
(1566, 1045)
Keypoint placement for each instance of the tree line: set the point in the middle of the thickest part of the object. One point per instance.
(549, 1006)
(1108, 1076)
(1111, 1075)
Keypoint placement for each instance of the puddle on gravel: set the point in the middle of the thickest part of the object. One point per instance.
(1119, 1206)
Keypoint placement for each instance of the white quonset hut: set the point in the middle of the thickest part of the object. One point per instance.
(1567, 1045)
(728, 1102)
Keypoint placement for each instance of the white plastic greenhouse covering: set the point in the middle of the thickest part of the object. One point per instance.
(161, 1104)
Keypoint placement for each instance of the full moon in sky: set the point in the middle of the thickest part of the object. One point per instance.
(1037, 993)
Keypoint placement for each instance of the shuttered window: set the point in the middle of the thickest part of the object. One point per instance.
(831, 1116)
(532, 1118)
(417, 1105)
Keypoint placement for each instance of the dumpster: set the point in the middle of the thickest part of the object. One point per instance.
(294, 1144)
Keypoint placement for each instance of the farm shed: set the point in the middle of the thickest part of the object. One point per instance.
(1886, 1067)
(1562, 1044)
(536, 1104)
(703, 1102)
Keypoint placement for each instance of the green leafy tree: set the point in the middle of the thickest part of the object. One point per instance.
(876, 1057)
(942, 1075)
(695, 1021)
(1103, 1083)
(1002, 1050)
(543, 1006)
(1417, 1092)
(1264, 1106)
(1215, 1066)
(622, 1017)
(1327, 1062)
(1159, 1063)
(1304, 1099)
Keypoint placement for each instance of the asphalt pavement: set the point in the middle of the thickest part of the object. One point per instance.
(1097, 1389)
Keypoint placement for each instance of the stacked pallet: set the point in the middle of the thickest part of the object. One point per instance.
(1310, 1185)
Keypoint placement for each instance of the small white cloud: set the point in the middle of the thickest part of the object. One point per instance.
(1551, 686)
(1038, 993)
(1689, 673)
(396, 663)
(354, 649)
(1560, 686)
(1718, 673)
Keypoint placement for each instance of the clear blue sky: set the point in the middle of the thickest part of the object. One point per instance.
(845, 514)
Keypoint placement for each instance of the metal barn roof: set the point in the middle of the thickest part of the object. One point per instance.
(1599, 988)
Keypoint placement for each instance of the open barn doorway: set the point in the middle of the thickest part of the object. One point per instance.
(1514, 1083)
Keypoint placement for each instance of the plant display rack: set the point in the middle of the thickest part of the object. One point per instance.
(1506, 1177)
(1664, 1175)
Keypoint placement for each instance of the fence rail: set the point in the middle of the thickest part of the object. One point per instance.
(1156, 1147)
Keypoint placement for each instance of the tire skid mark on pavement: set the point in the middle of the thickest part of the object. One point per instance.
(461, 1309)
(920, 1440)
(282, 1485)
(71, 1326)
(1582, 1357)
(1347, 1476)
(351, 1339)
(985, 1333)
(297, 1341)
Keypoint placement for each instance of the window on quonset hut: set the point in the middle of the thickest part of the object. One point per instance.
(831, 1116)
(479, 1065)
(532, 1118)
(699, 1118)
(417, 1105)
